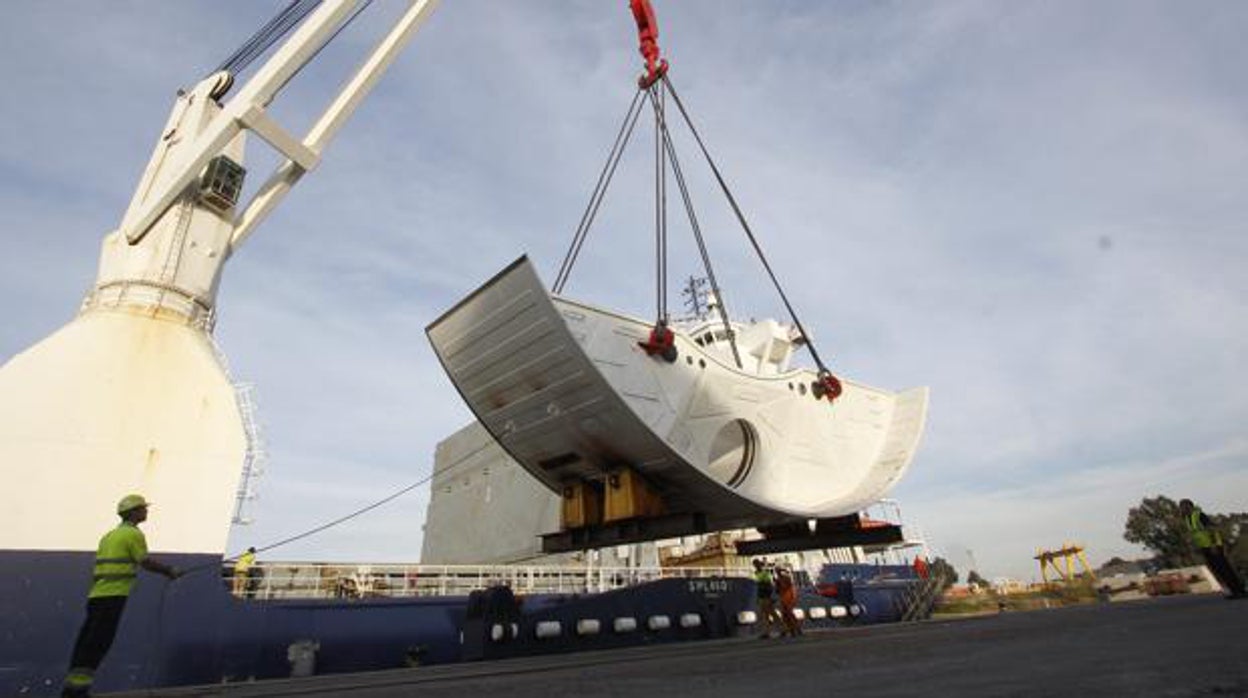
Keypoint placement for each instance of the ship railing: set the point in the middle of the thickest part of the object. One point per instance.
(921, 598)
(290, 580)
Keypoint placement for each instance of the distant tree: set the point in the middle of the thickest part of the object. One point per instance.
(973, 579)
(1157, 525)
(941, 569)
(1234, 528)
(1116, 565)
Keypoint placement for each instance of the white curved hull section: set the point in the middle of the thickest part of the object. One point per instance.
(115, 402)
(810, 458)
(566, 390)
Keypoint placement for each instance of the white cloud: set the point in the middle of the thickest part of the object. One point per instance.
(1004, 526)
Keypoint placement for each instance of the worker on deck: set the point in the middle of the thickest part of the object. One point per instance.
(765, 587)
(921, 568)
(122, 551)
(1208, 539)
(242, 570)
(786, 589)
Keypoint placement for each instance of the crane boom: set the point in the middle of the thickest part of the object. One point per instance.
(354, 92)
(132, 394)
(247, 111)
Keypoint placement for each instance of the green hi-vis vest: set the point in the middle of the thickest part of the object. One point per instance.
(1202, 537)
(117, 561)
(765, 584)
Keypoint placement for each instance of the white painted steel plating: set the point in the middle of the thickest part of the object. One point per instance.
(567, 391)
(484, 509)
(118, 402)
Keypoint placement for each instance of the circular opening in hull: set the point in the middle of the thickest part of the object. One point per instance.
(732, 453)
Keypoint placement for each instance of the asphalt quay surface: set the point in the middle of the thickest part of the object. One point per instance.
(1177, 646)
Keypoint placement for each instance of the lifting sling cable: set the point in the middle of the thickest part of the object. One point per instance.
(600, 190)
(344, 518)
(278, 27)
(329, 40)
(660, 208)
(267, 35)
(720, 305)
(823, 370)
(661, 337)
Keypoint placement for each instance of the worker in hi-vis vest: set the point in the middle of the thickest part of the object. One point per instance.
(765, 587)
(121, 553)
(242, 569)
(1208, 540)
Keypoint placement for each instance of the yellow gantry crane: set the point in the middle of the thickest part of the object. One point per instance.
(1067, 555)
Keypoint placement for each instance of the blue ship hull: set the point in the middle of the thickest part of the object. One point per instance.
(194, 632)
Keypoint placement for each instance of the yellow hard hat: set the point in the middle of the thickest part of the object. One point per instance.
(131, 501)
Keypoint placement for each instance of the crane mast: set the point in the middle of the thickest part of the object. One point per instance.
(185, 218)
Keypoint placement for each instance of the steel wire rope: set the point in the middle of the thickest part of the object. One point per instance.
(237, 59)
(335, 522)
(720, 306)
(660, 208)
(271, 35)
(746, 227)
(281, 25)
(346, 23)
(195, 569)
(600, 190)
(267, 35)
(274, 35)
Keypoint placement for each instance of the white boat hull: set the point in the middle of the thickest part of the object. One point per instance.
(567, 391)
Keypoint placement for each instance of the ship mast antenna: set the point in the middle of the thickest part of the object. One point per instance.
(695, 296)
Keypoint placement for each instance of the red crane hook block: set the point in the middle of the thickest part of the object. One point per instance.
(826, 385)
(648, 35)
(662, 342)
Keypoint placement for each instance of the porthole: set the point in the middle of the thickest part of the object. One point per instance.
(732, 453)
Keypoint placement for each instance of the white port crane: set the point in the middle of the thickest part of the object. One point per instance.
(197, 160)
(131, 395)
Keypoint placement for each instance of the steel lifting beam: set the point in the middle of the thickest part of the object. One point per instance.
(836, 532)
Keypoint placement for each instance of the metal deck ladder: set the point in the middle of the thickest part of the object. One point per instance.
(921, 598)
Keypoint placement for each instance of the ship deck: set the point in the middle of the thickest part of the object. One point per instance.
(1180, 646)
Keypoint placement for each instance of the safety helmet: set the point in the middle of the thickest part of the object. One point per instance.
(131, 501)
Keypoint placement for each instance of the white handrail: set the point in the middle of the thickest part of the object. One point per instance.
(302, 580)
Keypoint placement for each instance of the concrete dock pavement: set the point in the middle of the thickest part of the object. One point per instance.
(1175, 646)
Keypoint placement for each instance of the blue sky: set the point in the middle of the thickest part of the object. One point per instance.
(1037, 209)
